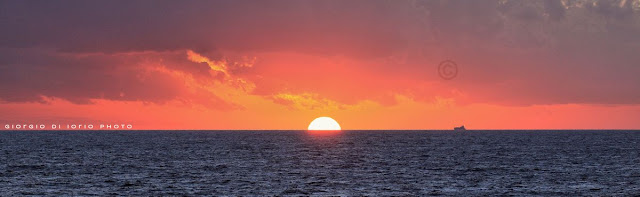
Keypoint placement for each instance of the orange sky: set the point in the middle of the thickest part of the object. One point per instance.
(280, 64)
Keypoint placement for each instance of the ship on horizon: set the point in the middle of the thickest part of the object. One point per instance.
(460, 128)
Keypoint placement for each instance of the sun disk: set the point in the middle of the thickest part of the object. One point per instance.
(324, 124)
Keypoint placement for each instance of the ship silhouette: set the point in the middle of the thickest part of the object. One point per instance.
(461, 128)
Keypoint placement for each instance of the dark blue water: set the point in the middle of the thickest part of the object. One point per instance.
(298, 163)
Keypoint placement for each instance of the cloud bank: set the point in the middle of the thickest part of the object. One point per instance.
(508, 52)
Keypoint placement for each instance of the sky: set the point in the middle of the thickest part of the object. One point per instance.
(278, 64)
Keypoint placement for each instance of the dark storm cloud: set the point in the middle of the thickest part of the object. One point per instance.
(541, 52)
(120, 26)
(510, 52)
(28, 75)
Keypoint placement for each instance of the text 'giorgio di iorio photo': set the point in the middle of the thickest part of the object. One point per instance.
(66, 126)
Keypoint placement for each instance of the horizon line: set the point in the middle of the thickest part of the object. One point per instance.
(327, 130)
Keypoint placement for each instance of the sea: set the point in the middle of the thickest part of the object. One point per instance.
(303, 163)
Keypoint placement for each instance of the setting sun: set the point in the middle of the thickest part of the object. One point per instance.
(325, 124)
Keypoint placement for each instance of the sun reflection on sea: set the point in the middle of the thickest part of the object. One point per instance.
(324, 132)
